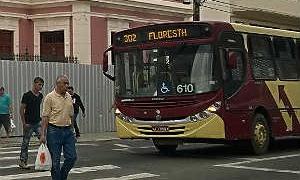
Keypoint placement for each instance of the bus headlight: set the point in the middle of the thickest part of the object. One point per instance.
(123, 117)
(206, 113)
(216, 106)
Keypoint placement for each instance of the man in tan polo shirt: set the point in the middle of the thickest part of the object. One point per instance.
(57, 119)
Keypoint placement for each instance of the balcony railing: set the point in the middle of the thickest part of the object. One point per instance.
(27, 57)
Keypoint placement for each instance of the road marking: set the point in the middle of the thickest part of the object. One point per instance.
(47, 173)
(86, 144)
(238, 165)
(129, 177)
(260, 159)
(17, 166)
(248, 159)
(263, 169)
(128, 148)
(17, 152)
(7, 148)
(15, 157)
(13, 166)
(106, 139)
(145, 147)
(122, 145)
(9, 158)
(124, 149)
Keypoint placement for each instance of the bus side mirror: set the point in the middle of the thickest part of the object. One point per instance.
(105, 60)
(105, 64)
(232, 60)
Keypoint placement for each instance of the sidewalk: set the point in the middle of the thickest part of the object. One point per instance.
(104, 136)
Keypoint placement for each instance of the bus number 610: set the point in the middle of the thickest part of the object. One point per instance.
(185, 88)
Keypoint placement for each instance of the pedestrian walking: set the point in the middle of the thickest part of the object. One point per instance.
(5, 111)
(30, 116)
(76, 104)
(57, 120)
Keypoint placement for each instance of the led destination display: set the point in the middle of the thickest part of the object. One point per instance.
(161, 33)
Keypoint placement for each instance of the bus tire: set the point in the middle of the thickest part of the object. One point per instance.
(165, 148)
(260, 135)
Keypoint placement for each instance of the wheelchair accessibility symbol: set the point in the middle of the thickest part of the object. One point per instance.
(164, 89)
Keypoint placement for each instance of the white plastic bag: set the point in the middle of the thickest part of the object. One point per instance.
(43, 160)
(12, 125)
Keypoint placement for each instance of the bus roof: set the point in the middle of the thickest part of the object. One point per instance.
(263, 30)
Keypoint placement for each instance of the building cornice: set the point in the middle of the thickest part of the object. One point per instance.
(50, 15)
(166, 7)
(128, 18)
(13, 15)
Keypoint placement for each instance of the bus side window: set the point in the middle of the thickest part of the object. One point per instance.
(298, 48)
(287, 65)
(298, 55)
(260, 53)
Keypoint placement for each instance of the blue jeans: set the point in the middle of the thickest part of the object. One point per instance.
(28, 131)
(59, 139)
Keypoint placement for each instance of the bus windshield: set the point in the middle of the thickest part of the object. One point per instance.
(182, 70)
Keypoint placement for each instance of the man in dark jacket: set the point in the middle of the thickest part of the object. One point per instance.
(76, 104)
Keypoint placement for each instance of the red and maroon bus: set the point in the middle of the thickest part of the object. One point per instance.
(206, 81)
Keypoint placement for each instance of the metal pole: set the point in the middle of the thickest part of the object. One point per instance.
(196, 11)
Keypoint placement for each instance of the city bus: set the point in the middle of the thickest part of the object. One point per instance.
(206, 82)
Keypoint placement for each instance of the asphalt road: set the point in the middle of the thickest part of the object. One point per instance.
(128, 159)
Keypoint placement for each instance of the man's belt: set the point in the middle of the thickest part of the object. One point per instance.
(59, 127)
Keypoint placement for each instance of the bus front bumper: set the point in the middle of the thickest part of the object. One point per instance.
(209, 128)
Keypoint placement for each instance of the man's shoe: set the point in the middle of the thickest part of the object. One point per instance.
(23, 165)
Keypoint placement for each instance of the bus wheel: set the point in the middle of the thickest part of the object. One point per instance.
(165, 148)
(260, 139)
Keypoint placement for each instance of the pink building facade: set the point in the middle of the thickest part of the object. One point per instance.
(80, 28)
(83, 28)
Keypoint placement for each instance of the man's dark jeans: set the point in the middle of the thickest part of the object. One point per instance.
(28, 131)
(59, 139)
(75, 124)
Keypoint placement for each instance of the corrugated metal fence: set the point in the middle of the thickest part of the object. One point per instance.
(95, 90)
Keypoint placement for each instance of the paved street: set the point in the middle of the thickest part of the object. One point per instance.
(126, 159)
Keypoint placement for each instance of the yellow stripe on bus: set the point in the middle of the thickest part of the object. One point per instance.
(292, 91)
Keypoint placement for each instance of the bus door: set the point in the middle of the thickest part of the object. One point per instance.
(232, 54)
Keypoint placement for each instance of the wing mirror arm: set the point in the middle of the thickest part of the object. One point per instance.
(105, 64)
(109, 76)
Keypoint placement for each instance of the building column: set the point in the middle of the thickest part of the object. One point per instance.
(26, 36)
(82, 32)
(99, 38)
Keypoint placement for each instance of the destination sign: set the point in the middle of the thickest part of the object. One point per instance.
(167, 34)
(164, 32)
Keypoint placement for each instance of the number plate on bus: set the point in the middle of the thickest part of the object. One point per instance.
(160, 128)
